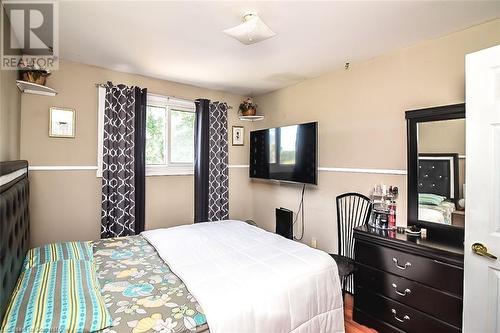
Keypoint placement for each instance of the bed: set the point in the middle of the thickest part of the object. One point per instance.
(437, 177)
(14, 226)
(224, 276)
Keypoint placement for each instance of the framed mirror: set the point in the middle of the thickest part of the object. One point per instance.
(436, 171)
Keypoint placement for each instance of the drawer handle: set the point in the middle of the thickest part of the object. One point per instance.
(406, 292)
(408, 264)
(395, 314)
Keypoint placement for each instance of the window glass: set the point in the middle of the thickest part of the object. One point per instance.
(182, 136)
(155, 135)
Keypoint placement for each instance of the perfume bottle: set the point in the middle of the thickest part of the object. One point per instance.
(392, 215)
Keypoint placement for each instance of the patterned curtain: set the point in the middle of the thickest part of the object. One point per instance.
(218, 177)
(123, 170)
(211, 170)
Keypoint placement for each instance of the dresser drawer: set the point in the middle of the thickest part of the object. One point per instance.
(399, 315)
(365, 319)
(426, 299)
(431, 272)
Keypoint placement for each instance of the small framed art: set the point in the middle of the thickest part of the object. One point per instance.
(238, 135)
(62, 122)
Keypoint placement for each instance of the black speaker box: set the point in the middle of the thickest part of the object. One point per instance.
(284, 222)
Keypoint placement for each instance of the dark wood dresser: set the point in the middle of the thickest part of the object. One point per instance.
(407, 284)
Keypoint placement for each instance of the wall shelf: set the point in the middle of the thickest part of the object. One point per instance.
(33, 88)
(251, 118)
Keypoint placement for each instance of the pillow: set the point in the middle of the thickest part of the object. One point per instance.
(58, 251)
(430, 199)
(59, 296)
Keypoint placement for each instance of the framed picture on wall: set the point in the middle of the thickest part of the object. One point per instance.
(62, 122)
(238, 135)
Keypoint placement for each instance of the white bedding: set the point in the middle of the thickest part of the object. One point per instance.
(430, 215)
(250, 280)
(437, 214)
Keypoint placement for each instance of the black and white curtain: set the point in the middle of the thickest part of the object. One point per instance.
(123, 167)
(211, 162)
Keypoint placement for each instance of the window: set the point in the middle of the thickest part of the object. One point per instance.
(169, 136)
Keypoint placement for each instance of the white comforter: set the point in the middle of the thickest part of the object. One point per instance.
(250, 280)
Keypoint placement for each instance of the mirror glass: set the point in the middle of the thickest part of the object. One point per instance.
(441, 172)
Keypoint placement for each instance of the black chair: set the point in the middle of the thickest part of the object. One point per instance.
(353, 210)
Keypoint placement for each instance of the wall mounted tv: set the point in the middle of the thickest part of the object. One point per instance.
(287, 153)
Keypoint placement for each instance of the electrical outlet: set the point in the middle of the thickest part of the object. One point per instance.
(313, 242)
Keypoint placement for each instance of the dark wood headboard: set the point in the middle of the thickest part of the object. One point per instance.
(14, 226)
(438, 174)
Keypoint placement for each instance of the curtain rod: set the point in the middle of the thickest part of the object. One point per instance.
(104, 85)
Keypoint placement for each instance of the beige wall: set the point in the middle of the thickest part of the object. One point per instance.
(65, 205)
(442, 136)
(10, 113)
(361, 122)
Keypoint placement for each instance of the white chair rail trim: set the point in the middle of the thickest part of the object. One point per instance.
(370, 170)
(231, 166)
(61, 167)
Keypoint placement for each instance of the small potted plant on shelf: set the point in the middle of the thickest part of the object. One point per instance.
(248, 107)
(33, 73)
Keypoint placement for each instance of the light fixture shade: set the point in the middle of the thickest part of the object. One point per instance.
(252, 30)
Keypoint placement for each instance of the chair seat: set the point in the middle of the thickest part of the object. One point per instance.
(345, 264)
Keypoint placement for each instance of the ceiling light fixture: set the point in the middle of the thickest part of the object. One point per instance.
(252, 30)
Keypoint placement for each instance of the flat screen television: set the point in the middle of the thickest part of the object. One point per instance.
(287, 153)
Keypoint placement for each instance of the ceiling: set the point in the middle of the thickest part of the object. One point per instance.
(183, 42)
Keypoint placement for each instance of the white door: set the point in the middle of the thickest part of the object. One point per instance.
(482, 219)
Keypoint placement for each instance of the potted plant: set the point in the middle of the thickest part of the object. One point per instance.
(248, 107)
(33, 73)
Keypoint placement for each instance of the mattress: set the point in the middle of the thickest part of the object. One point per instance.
(141, 292)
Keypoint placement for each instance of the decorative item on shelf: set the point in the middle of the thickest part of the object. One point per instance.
(32, 72)
(384, 207)
(248, 107)
(238, 136)
(62, 122)
(248, 111)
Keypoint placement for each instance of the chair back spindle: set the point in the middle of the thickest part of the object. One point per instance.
(353, 210)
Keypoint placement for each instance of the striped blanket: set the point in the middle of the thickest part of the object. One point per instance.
(57, 296)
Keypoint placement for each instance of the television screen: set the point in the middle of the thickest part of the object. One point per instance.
(287, 153)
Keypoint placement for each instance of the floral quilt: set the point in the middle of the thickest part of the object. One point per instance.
(140, 291)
